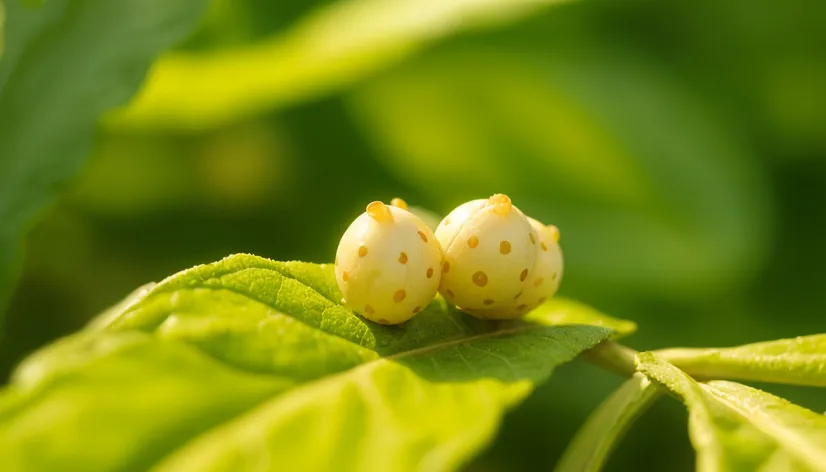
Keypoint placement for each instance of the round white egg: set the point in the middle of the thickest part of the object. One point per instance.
(388, 264)
(544, 279)
(490, 251)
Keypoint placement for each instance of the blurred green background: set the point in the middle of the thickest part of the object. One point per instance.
(679, 147)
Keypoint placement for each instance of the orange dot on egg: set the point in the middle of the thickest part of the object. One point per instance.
(430, 272)
(523, 275)
(488, 301)
(369, 310)
(473, 242)
(446, 267)
(399, 295)
(480, 278)
(505, 247)
(423, 236)
(362, 251)
(403, 258)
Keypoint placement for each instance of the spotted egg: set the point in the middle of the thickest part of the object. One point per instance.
(490, 251)
(387, 264)
(544, 279)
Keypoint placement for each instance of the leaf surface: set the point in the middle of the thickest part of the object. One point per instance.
(735, 427)
(799, 361)
(249, 362)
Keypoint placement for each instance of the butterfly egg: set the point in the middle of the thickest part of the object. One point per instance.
(490, 251)
(543, 281)
(387, 264)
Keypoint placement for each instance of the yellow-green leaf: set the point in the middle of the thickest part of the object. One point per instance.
(249, 361)
(607, 425)
(799, 361)
(734, 427)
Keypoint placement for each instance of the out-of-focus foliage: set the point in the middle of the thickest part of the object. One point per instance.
(330, 48)
(231, 365)
(679, 146)
(570, 139)
(63, 64)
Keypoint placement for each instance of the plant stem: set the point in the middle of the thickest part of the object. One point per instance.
(612, 357)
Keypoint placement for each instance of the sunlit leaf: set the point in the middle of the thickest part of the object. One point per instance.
(734, 427)
(248, 361)
(800, 361)
(607, 425)
(65, 63)
(607, 147)
(328, 50)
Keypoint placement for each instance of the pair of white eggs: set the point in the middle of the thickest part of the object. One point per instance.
(486, 257)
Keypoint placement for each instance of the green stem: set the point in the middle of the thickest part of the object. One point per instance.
(612, 357)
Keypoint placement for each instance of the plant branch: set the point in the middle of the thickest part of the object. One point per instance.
(612, 357)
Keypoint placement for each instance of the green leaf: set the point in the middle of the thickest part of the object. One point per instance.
(247, 361)
(66, 62)
(798, 361)
(328, 50)
(607, 425)
(549, 129)
(735, 427)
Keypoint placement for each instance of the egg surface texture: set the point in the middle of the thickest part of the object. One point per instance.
(494, 265)
(387, 264)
